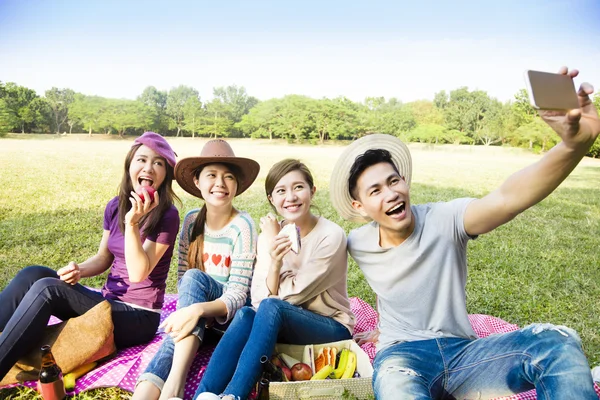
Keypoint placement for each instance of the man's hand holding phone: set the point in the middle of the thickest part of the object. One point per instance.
(576, 122)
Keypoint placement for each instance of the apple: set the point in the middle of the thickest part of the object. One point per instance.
(149, 189)
(287, 372)
(301, 372)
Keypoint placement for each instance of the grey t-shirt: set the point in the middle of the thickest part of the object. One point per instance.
(420, 284)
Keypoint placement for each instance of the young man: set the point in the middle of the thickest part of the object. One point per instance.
(414, 258)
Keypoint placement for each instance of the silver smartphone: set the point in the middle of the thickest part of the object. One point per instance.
(549, 91)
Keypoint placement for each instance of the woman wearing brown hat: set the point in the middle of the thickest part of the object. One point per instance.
(136, 247)
(300, 291)
(217, 248)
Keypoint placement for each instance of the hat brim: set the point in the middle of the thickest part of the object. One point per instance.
(338, 184)
(184, 172)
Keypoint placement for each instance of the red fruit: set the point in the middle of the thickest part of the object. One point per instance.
(149, 189)
(287, 372)
(301, 372)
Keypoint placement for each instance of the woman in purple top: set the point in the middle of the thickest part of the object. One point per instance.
(137, 245)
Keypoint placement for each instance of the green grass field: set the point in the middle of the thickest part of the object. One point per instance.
(543, 266)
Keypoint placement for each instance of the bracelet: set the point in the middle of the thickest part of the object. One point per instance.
(131, 223)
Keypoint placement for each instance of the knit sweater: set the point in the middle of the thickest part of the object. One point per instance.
(314, 279)
(228, 256)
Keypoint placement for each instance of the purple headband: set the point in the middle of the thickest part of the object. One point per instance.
(159, 145)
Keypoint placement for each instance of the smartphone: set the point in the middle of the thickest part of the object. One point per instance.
(549, 91)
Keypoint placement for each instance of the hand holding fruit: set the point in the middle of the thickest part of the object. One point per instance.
(141, 204)
(141, 190)
(70, 274)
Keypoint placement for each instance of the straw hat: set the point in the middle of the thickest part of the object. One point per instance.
(215, 151)
(338, 184)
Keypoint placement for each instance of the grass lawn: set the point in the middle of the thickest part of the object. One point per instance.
(543, 266)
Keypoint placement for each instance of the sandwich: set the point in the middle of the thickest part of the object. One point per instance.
(326, 356)
(293, 232)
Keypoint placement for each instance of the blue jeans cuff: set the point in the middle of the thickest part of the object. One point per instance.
(150, 377)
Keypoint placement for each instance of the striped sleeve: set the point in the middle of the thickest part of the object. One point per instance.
(184, 242)
(243, 255)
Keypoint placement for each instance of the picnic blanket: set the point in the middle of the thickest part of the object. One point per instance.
(123, 370)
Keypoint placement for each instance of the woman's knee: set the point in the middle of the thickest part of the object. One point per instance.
(194, 277)
(271, 305)
(33, 273)
(245, 314)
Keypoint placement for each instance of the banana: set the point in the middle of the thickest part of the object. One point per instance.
(323, 373)
(350, 365)
(71, 377)
(341, 367)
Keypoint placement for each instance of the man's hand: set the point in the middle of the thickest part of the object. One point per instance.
(366, 337)
(577, 128)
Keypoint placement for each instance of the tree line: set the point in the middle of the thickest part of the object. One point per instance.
(460, 116)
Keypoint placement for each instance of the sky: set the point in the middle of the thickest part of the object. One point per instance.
(404, 49)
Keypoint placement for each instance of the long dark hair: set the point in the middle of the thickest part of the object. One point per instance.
(150, 221)
(196, 249)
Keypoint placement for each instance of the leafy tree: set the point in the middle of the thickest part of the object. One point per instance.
(493, 127)
(425, 112)
(86, 110)
(464, 110)
(427, 133)
(59, 101)
(176, 100)
(7, 118)
(260, 121)
(382, 116)
(193, 114)
(43, 117)
(217, 121)
(293, 121)
(523, 111)
(535, 134)
(156, 100)
(19, 98)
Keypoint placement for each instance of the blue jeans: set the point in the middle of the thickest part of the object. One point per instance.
(542, 356)
(36, 293)
(195, 286)
(235, 367)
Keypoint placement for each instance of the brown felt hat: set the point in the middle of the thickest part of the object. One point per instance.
(216, 151)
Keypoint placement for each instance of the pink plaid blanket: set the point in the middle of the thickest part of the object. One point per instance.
(123, 370)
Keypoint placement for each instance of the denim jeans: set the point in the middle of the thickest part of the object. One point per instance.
(542, 356)
(195, 286)
(36, 293)
(234, 367)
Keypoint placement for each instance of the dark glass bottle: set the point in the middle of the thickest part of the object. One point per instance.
(263, 390)
(50, 384)
(272, 372)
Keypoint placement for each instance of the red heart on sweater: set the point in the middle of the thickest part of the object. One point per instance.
(216, 259)
(204, 258)
(228, 261)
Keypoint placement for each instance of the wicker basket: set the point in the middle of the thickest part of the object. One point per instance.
(324, 389)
